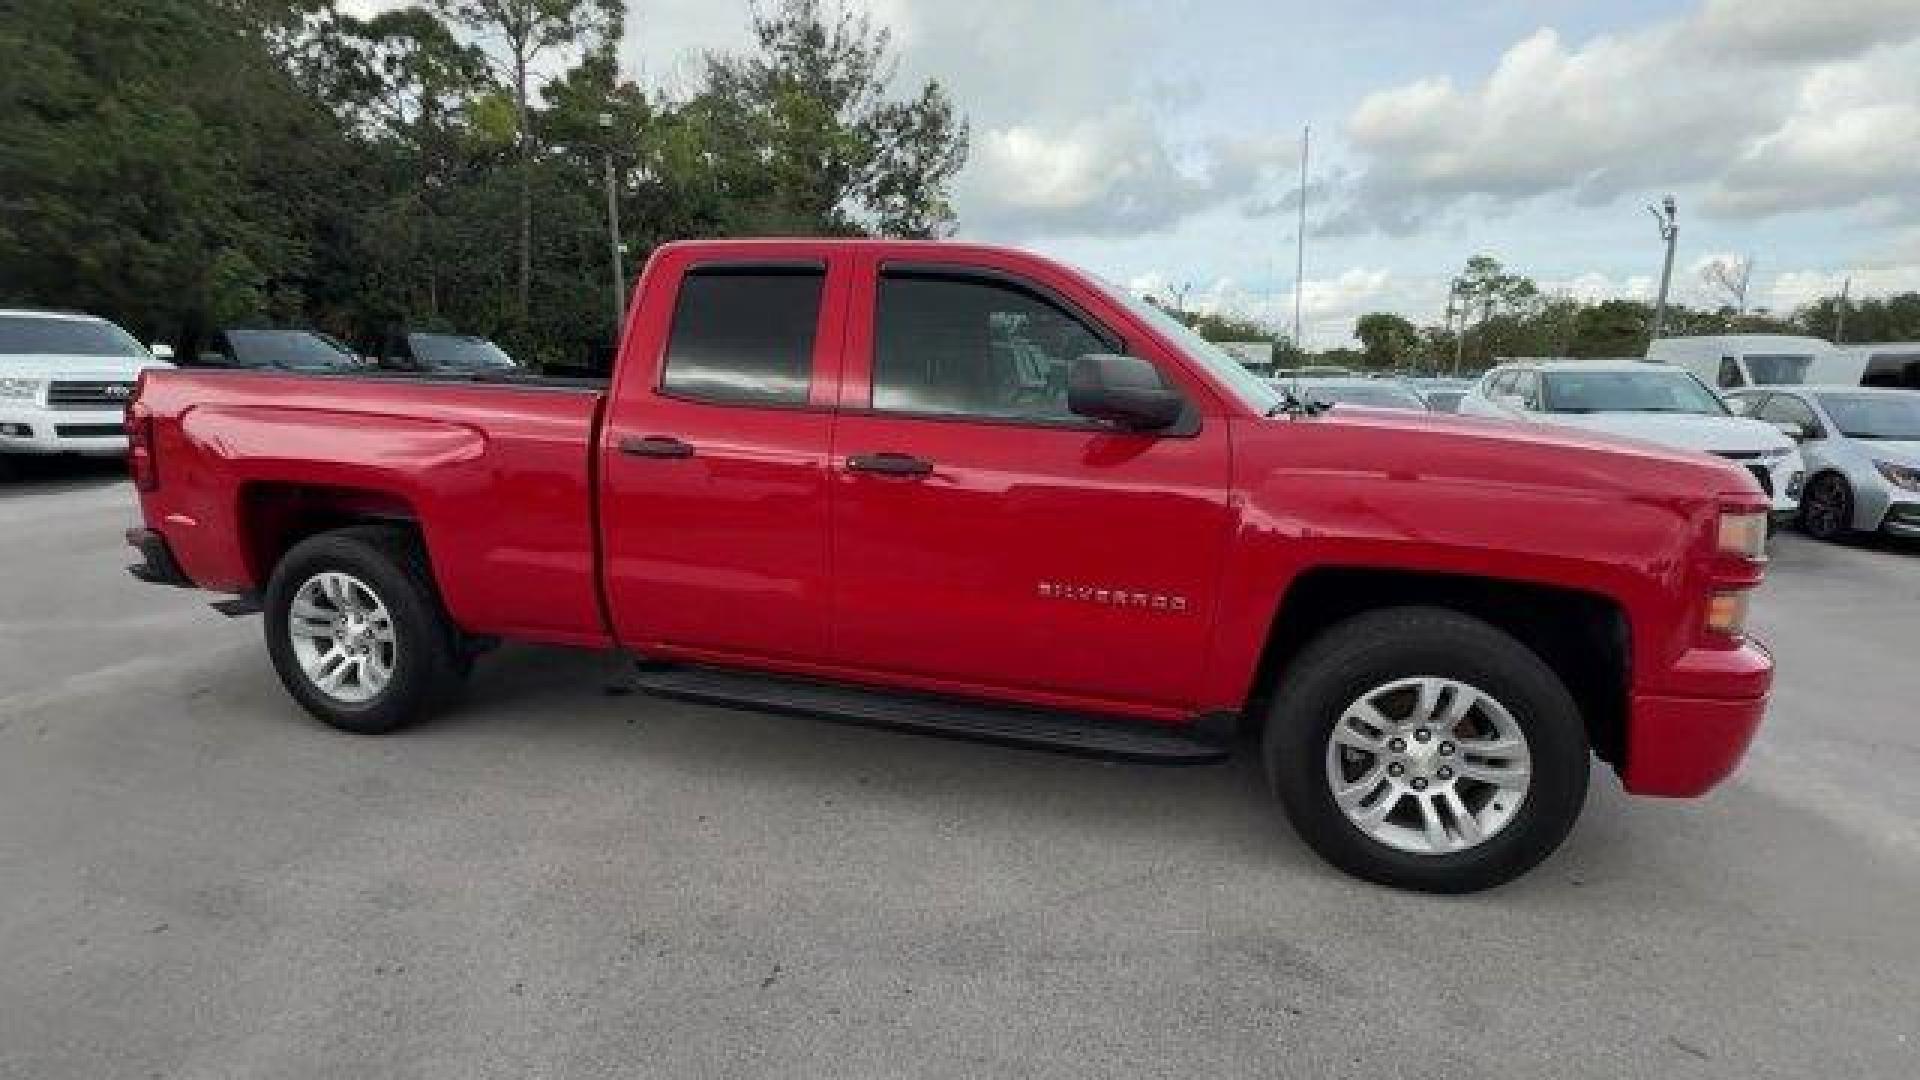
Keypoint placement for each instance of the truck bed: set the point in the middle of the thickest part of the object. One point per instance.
(497, 474)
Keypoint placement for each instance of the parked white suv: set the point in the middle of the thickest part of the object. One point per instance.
(64, 383)
(1660, 403)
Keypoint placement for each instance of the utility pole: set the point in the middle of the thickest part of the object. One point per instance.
(1669, 231)
(1460, 339)
(1840, 312)
(613, 235)
(1300, 239)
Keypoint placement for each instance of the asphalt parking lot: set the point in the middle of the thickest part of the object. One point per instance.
(198, 881)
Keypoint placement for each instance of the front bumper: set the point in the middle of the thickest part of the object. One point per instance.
(30, 430)
(1902, 517)
(1682, 745)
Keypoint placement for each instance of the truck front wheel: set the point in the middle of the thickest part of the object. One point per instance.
(357, 632)
(1425, 749)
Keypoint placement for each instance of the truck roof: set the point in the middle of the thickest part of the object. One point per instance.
(38, 313)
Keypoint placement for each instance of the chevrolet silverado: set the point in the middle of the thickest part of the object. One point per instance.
(967, 490)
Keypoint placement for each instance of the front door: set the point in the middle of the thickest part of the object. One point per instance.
(984, 537)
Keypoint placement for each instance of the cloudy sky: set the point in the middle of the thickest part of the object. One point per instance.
(1156, 141)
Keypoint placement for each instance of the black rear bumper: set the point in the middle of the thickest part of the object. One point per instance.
(157, 564)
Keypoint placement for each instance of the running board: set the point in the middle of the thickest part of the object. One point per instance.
(1039, 729)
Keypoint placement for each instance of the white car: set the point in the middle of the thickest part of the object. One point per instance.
(64, 383)
(1659, 403)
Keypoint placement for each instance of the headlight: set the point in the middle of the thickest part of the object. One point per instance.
(1903, 476)
(1743, 534)
(19, 389)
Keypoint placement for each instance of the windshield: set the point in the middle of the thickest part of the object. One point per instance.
(1251, 389)
(1371, 395)
(1778, 369)
(1629, 391)
(22, 335)
(463, 351)
(296, 349)
(1875, 416)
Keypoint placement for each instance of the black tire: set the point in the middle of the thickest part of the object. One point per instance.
(1380, 647)
(1826, 507)
(429, 658)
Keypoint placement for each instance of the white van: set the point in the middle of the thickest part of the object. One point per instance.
(1729, 361)
(1887, 363)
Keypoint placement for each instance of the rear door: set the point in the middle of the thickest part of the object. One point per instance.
(987, 539)
(713, 457)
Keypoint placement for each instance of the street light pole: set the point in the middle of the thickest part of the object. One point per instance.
(1456, 300)
(1669, 230)
(613, 235)
(1300, 239)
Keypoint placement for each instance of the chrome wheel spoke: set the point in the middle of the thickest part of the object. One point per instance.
(1464, 822)
(1430, 823)
(1361, 732)
(1464, 699)
(331, 670)
(310, 626)
(1512, 777)
(1428, 701)
(1492, 748)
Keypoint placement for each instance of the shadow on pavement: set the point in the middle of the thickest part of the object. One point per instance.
(22, 474)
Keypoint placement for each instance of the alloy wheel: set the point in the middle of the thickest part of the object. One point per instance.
(1430, 766)
(342, 636)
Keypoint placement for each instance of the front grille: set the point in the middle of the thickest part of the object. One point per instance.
(88, 431)
(78, 394)
(1761, 474)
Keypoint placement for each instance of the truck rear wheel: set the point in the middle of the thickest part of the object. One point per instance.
(357, 632)
(1425, 749)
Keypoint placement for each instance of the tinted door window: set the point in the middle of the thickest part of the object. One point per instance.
(1730, 374)
(1778, 369)
(1893, 369)
(975, 346)
(744, 335)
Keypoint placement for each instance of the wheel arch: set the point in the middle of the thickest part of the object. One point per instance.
(1583, 636)
(273, 517)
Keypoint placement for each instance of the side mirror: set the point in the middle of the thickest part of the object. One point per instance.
(1793, 429)
(1510, 401)
(161, 350)
(1124, 390)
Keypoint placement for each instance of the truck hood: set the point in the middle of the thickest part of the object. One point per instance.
(81, 368)
(1685, 431)
(1448, 447)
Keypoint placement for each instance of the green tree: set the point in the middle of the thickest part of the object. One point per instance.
(802, 137)
(160, 164)
(1390, 340)
(524, 31)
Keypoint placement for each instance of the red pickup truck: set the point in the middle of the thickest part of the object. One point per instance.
(969, 490)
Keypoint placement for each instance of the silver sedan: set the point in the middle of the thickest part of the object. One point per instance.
(1862, 447)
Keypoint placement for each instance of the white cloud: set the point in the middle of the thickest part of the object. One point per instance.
(1775, 105)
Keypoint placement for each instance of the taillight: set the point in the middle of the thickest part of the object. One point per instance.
(140, 459)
